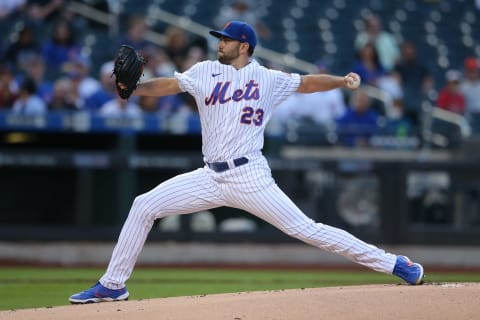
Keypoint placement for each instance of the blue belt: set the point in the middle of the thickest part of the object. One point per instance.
(223, 166)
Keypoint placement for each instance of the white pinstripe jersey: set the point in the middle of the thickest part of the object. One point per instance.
(235, 105)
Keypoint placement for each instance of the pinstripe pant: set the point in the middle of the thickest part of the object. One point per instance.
(249, 187)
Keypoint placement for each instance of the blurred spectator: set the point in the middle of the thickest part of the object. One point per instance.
(22, 48)
(61, 47)
(158, 63)
(289, 109)
(8, 87)
(136, 32)
(186, 51)
(78, 69)
(384, 42)
(106, 92)
(397, 124)
(242, 10)
(320, 107)
(450, 97)
(171, 104)
(177, 45)
(188, 106)
(470, 88)
(34, 68)
(194, 54)
(367, 65)
(390, 84)
(148, 104)
(199, 42)
(120, 108)
(398, 130)
(40, 10)
(415, 79)
(180, 104)
(28, 102)
(8, 7)
(359, 123)
(63, 97)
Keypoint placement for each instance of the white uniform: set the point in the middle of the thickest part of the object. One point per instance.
(234, 106)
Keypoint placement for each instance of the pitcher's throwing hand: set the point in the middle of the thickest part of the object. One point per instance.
(352, 80)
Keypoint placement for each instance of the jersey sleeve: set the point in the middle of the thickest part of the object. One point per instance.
(285, 85)
(189, 79)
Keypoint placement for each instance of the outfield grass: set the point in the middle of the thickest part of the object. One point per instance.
(42, 287)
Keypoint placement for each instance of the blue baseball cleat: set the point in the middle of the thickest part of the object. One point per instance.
(409, 271)
(99, 293)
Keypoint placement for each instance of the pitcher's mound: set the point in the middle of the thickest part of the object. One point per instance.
(430, 301)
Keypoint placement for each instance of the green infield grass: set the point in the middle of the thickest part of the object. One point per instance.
(28, 287)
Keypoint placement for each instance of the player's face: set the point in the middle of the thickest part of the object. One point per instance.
(228, 50)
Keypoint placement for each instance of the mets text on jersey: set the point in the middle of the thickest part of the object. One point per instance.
(219, 93)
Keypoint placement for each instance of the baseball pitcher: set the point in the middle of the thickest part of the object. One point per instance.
(236, 97)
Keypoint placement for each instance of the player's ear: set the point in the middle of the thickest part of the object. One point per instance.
(244, 46)
(249, 49)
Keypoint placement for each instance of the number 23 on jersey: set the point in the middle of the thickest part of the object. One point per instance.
(250, 115)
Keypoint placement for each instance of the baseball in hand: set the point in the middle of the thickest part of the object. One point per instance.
(352, 80)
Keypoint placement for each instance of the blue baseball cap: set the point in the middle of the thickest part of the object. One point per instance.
(237, 30)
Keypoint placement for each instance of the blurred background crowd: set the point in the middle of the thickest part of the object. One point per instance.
(55, 59)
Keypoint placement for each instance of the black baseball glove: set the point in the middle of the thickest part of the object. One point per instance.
(128, 69)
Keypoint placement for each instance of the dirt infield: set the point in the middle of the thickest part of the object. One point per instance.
(431, 301)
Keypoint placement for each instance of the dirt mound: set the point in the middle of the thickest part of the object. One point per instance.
(430, 301)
